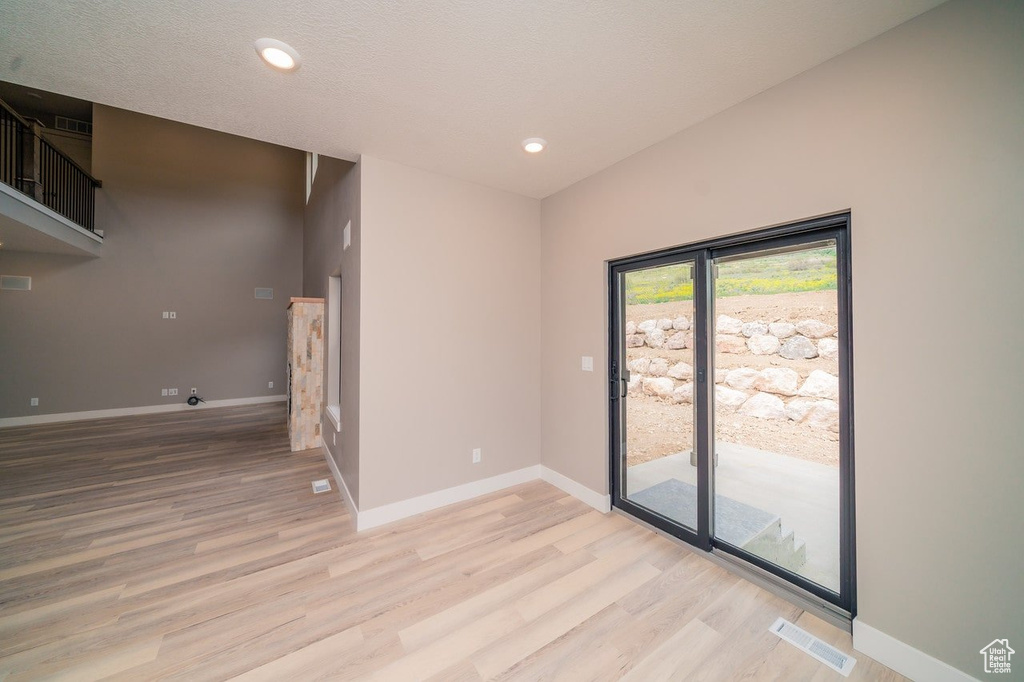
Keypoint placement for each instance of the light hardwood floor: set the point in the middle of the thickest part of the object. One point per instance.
(190, 546)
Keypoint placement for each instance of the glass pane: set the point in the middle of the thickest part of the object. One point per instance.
(776, 408)
(660, 472)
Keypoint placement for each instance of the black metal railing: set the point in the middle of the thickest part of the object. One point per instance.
(12, 148)
(33, 166)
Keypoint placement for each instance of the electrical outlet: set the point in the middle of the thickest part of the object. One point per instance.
(588, 363)
(476, 455)
(194, 391)
(270, 384)
(163, 392)
(174, 315)
(166, 314)
(34, 402)
(172, 391)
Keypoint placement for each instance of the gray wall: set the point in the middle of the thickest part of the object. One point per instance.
(450, 353)
(78, 147)
(194, 221)
(334, 201)
(919, 132)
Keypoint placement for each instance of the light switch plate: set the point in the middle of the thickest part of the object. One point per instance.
(346, 237)
(588, 363)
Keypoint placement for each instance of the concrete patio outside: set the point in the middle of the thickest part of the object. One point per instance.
(805, 495)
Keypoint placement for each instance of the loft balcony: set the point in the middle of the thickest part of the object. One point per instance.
(47, 200)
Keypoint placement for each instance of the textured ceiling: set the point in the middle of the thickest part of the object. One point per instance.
(450, 86)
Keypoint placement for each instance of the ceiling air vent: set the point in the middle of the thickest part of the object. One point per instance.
(263, 293)
(15, 283)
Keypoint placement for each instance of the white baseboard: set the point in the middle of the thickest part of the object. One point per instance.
(903, 658)
(602, 503)
(339, 480)
(388, 513)
(130, 411)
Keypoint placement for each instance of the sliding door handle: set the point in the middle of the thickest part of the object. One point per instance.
(618, 388)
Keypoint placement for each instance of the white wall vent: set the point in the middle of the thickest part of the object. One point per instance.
(264, 293)
(15, 283)
(814, 647)
(321, 486)
(72, 125)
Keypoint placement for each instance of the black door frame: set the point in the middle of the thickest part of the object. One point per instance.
(830, 227)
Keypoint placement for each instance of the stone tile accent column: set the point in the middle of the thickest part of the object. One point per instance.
(305, 371)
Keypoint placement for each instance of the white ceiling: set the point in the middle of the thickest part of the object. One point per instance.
(450, 86)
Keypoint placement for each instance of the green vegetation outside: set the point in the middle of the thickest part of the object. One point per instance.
(810, 270)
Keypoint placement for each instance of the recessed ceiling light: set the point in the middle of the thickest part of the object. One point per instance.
(278, 55)
(534, 144)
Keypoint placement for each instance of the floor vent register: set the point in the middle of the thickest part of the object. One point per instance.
(811, 645)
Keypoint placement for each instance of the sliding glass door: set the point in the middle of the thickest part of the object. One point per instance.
(658, 393)
(730, 400)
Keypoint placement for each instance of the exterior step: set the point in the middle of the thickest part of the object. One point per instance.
(780, 546)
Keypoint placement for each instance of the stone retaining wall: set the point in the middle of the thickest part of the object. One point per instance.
(802, 340)
(780, 393)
